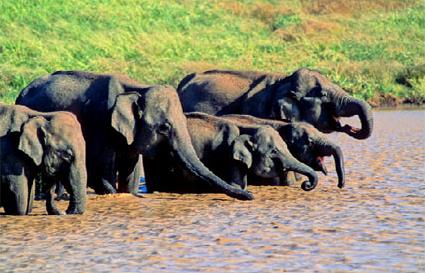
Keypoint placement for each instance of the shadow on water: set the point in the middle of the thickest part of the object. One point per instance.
(376, 223)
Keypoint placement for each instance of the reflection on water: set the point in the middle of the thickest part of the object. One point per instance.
(376, 223)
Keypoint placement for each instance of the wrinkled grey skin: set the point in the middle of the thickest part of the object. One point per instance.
(120, 120)
(305, 95)
(232, 152)
(304, 141)
(33, 143)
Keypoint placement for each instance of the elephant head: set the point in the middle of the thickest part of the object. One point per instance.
(308, 96)
(151, 120)
(310, 146)
(56, 145)
(266, 154)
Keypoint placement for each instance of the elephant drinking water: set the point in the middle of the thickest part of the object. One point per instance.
(120, 120)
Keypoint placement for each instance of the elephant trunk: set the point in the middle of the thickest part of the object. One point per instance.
(76, 187)
(349, 106)
(185, 153)
(303, 169)
(330, 149)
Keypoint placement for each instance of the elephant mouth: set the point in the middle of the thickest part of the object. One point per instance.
(320, 166)
(346, 128)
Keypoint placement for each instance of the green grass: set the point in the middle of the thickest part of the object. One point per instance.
(361, 45)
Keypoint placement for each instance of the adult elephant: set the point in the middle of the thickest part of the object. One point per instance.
(306, 95)
(120, 120)
(46, 144)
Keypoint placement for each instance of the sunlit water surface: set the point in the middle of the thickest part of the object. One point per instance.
(375, 224)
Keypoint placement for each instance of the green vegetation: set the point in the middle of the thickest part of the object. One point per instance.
(364, 46)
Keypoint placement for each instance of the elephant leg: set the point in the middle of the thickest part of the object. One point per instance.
(31, 190)
(60, 192)
(101, 170)
(40, 189)
(238, 176)
(160, 176)
(152, 175)
(130, 168)
(15, 195)
(50, 201)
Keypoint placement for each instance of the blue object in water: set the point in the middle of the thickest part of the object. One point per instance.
(142, 185)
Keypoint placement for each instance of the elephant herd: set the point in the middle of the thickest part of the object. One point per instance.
(218, 132)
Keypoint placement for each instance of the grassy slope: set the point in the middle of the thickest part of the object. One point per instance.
(362, 45)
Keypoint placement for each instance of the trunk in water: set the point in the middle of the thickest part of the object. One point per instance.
(185, 153)
(330, 149)
(354, 107)
(303, 169)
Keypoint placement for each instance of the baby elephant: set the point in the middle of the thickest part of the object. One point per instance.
(232, 152)
(305, 142)
(33, 144)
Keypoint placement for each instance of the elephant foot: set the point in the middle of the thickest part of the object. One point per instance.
(128, 188)
(105, 191)
(74, 210)
(54, 211)
(106, 188)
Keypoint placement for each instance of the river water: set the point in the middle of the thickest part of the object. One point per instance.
(375, 224)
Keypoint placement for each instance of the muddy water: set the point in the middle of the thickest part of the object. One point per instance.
(375, 224)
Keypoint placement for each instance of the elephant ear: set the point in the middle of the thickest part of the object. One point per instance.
(241, 150)
(12, 120)
(287, 109)
(303, 81)
(114, 89)
(228, 132)
(125, 114)
(32, 138)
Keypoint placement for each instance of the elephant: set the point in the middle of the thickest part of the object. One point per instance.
(122, 119)
(305, 95)
(304, 141)
(50, 145)
(232, 152)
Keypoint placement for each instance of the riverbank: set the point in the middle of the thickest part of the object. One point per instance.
(371, 48)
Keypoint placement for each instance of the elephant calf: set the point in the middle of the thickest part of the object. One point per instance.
(47, 144)
(305, 142)
(232, 152)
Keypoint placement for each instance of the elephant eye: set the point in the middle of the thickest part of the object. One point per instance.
(65, 155)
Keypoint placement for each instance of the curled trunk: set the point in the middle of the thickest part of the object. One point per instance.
(330, 149)
(348, 107)
(295, 165)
